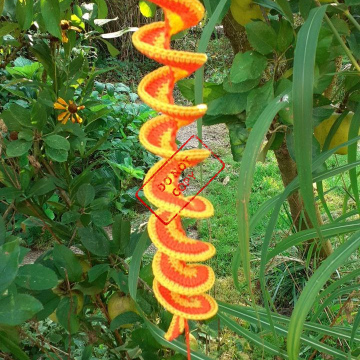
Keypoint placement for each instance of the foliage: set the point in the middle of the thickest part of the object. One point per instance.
(301, 69)
(63, 184)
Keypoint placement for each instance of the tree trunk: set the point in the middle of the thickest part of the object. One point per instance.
(288, 173)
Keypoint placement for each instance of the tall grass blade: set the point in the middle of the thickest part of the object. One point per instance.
(311, 290)
(352, 154)
(303, 85)
(246, 174)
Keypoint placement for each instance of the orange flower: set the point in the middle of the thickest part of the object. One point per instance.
(65, 26)
(70, 112)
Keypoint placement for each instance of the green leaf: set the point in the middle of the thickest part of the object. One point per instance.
(42, 187)
(7, 27)
(95, 241)
(57, 142)
(8, 342)
(101, 218)
(285, 6)
(229, 104)
(2, 231)
(36, 277)
(102, 9)
(50, 11)
(211, 6)
(85, 195)
(24, 13)
(67, 263)
(9, 261)
(16, 309)
(16, 117)
(111, 48)
(303, 84)
(257, 101)
(313, 286)
(238, 137)
(246, 177)
(97, 270)
(285, 36)
(2, 3)
(18, 148)
(261, 36)
(134, 269)
(66, 314)
(86, 355)
(211, 91)
(121, 232)
(58, 155)
(254, 338)
(247, 66)
(147, 8)
(126, 318)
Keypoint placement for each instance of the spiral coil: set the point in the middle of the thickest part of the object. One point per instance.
(179, 287)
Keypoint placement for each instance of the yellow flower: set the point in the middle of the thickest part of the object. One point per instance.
(65, 26)
(70, 112)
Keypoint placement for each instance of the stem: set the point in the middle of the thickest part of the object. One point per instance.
(352, 19)
(343, 45)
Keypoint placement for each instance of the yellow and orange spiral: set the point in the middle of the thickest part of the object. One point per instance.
(179, 287)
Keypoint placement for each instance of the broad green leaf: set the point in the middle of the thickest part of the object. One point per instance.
(9, 262)
(303, 83)
(101, 218)
(238, 137)
(285, 36)
(50, 302)
(97, 270)
(126, 318)
(312, 288)
(42, 187)
(18, 148)
(147, 8)
(38, 115)
(94, 241)
(36, 277)
(85, 195)
(261, 36)
(257, 101)
(229, 104)
(7, 27)
(57, 142)
(50, 11)
(247, 66)
(211, 91)
(67, 263)
(66, 314)
(16, 309)
(24, 13)
(58, 155)
(16, 117)
(285, 6)
(2, 3)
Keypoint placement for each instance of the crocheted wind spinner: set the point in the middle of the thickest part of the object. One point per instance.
(178, 286)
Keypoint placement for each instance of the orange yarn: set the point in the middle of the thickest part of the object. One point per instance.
(178, 286)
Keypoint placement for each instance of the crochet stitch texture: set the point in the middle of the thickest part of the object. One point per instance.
(180, 287)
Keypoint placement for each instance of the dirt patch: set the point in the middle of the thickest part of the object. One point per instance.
(215, 136)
